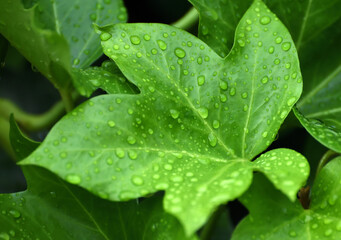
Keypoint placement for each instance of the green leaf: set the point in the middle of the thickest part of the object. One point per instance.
(63, 33)
(272, 216)
(74, 21)
(107, 77)
(22, 146)
(328, 135)
(192, 130)
(278, 166)
(316, 29)
(53, 209)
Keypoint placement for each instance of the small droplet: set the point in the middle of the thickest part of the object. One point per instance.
(76, 61)
(109, 161)
(292, 234)
(162, 45)
(241, 42)
(212, 139)
(277, 61)
(265, 79)
(291, 101)
(223, 85)
(278, 40)
(105, 36)
(216, 124)
(271, 50)
(203, 112)
(119, 153)
(132, 155)
(265, 20)
(244, 95)
(201, 80)
(15, 213)
(180, 53)
(146, 37)
(265, 134)
(232, 91)
(73, 178)
(135, 40)
(131, 140)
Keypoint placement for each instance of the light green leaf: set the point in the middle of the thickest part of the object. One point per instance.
(195, 126)
(328, 135)
(272, 216)
(107, 77)
(53, 209)
(316, 29)
(285, 168)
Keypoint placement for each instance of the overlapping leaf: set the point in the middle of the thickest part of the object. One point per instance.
(53, 209)
(196, 124)
(316, 29)
(272, 216)
(107, 77)
(57, 35)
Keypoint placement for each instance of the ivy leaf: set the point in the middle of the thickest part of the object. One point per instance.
(316, 30)
(65, 40)
(272, 216)
(51, 208)
(67, 212)
(195, 126)
(107, 77)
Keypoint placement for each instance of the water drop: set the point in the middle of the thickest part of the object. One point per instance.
(271, 50)
(131, 140)
(146, 37)
(203, 112)
(223, 85)
(136, 180)
(265, 20)
(132, 154)
(244, 95)
(201, 80)
(73, 178)
(292, 234)
(265, 79)
(111, 123)
(278, 40)
(241, 42)
(291, 101)
(109, 161)
(212, 139)
(180, 53)
(265, 134)
(174, 113)
(162, 45)
(216, 124)
(168, 167)
(286, 46)
(15, 213)
(105, 36)
(232, 91)
(277, 61)
(135, 40)
(119, 153)
(76, 61)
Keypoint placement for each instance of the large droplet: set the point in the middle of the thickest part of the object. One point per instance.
(223, 85)
(162, 45)
(201, 80)
(135, 40)
(15, 213)
(212, 139)
(180, 53)
(105, 36)
(73, 178)
(265, 20)
(203, 112)
(174, 113)
(136, 180)
(286, 46)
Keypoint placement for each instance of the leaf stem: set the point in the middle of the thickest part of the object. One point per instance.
(31, 122)
(329, 155)
(4, 137)
(206, 232)
(67, 99)
(188, 20)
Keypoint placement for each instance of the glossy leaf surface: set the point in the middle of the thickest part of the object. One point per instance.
(316, 29)
(54, 209)
(195, 126)
(62, 31)
(272, 216)
(107, 77)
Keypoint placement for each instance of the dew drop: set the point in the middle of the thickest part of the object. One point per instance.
(292, 234)
(291, 101)
(131, 140)
(109, 161)
(244, 95)
(203, 112)
(277, 61)
(271, 50)
(132, 154)
(15, 213)
(212, 139)
(162, 45)
(73, 178)
(278, 40)
(223, 85)
(146, 37)
(286, 46)
(105, 36)
(201, 80)
(111, 123)
(216, 124)
(180, 53)
(232, 91)
(265, 79)
(265, 20)
(241, 42)
(136, 180)
(174, 113)
(135, 40)
(119, 153)
(168, 167)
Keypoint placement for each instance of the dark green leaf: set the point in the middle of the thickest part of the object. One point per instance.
(107, 77)
(3, 50)
(22, 146)
(272, 216)
(194, 128)
(54, 209)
